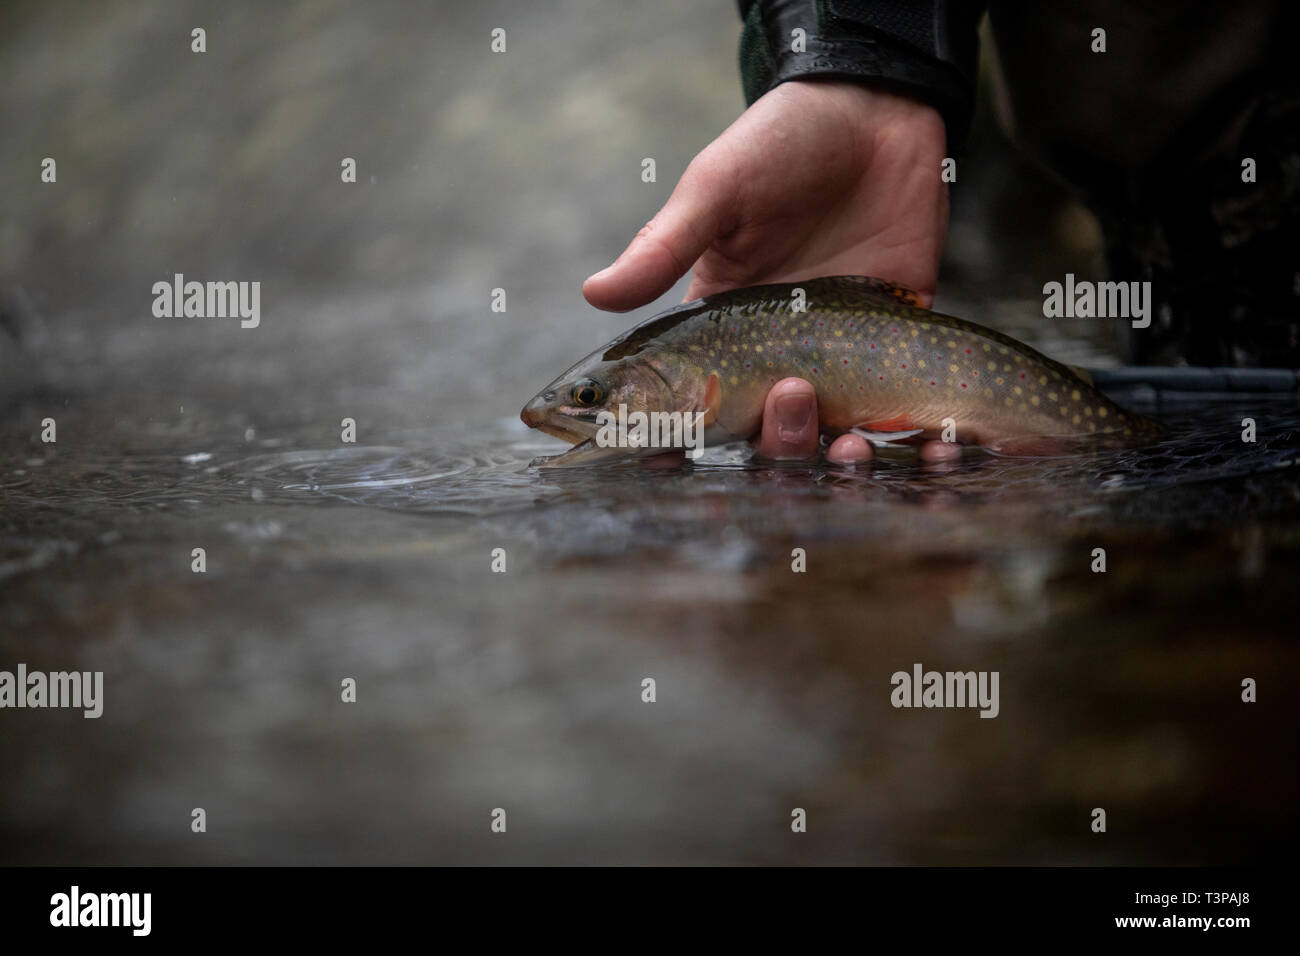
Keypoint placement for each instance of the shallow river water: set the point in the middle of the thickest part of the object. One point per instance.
(523, 689)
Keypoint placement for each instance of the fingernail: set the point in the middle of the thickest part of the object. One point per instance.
(793, 413)
(605, 271)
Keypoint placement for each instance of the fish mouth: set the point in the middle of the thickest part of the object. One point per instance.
(542, 416)
(571, 435)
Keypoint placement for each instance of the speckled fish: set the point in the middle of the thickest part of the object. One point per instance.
(882, 366)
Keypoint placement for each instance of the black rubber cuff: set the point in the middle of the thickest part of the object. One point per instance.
(847, 40)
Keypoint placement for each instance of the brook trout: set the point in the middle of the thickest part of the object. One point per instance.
(880, 363)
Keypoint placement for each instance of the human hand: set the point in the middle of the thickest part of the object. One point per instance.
(816, 178)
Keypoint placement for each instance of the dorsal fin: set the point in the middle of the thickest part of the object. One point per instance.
(1083, 373)
(895, 291)
(891, 290)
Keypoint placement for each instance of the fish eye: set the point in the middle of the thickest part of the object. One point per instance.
(587, 392)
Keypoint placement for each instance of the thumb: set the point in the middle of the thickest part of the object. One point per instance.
(665, 248)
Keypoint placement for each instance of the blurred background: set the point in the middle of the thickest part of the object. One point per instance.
(475, 691)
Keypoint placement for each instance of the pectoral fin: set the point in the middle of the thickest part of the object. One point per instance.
(884, 438)
(584, 453)
(712, 400)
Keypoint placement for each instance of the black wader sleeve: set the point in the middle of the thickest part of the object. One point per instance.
(926, 49)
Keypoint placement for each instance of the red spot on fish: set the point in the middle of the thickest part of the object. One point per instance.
(963, 384)
(747, 365)
(902, 366)
(882, 378)
(820, 324)
(975, 372)
(846, 361)
(1022, 374)
(873, 345)
(805, 341)
(895, 330)
(780, 351)
(814, 371)
(968, 351)
(931, 381)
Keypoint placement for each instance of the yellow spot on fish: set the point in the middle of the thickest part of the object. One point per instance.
(758, 348)
(1075, 395)
(952, 368)
(1033, 400)
(1041, 381)
(1088, 411)
(1018, 390)
(735, 380)
(1076, 419)
(993, 366)
(1102, 412)
(1051, 396)
(839, 332)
